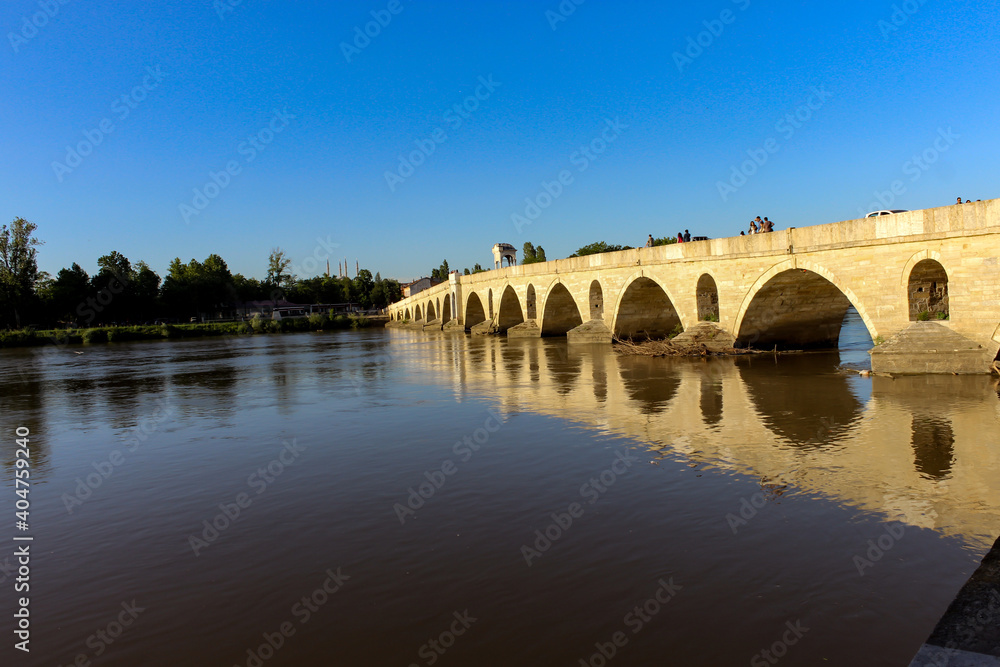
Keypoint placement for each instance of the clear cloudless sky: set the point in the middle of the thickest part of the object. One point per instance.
(898, 80)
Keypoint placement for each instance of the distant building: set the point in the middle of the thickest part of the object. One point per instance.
(419, 285)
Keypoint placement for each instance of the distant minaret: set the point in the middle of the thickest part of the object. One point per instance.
(357, 268)
(327, 268)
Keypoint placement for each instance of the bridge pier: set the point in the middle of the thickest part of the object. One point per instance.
(526, 329)
(594, 331)
(929, 347)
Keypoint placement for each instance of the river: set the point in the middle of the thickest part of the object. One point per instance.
(388, 497)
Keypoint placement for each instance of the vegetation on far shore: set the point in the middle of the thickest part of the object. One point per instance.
(32, 338)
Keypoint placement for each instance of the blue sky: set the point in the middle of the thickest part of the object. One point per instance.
(834, 100)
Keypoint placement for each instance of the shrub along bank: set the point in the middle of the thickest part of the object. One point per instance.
(30, 337)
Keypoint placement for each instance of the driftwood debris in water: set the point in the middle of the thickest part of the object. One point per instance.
(670, 348)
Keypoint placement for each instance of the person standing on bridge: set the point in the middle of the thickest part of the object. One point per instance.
(649, 243)
(768, 225)
(680, 237)
(687, 236)
(753, 228)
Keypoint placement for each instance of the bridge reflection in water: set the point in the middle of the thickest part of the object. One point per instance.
(917, 449)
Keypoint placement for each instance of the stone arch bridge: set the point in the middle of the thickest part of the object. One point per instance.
(926, 284)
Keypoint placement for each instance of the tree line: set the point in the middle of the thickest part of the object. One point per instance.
(123, 292)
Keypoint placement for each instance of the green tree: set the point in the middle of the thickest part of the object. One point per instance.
(111, 293)
(68, 294)
(145, 288)
(528, 252)
(533, 255)
(278, 266)
(18, 267)
(598, 247)
(441, 273)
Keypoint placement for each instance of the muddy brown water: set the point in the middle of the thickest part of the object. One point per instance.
(414, 499)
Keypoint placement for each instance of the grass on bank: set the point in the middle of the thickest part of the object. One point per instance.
(30, 337)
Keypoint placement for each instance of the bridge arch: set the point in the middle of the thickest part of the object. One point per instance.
(406, 315)
(646, 309)
(446, 309)
(430, 311)
(474, 313)
(560, 312)
(707, 294)
(596, 300)
(796, 304)
(926, 282)
(509, 313)
(529, 303)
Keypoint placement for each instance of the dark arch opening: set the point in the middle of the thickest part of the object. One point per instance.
(646, 312)
(927, 289)
(708, 299)
(561, 313)
(474, 313)
(446, 310)
(530, 303)
(795, 310)
(416, 313)
(406, 316)
(430, 311)
(596, 301)
(510, 310)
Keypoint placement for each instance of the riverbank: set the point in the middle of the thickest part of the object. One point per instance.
(34, 338)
